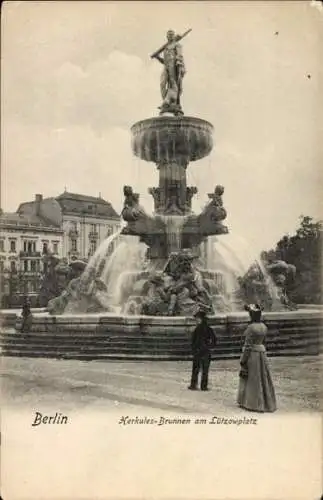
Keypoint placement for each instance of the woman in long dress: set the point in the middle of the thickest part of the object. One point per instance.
(256, 389)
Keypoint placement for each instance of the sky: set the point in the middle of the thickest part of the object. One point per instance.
(77, 75)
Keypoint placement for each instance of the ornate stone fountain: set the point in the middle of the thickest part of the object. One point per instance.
(172, 141)
(175, 281)
(154, 314)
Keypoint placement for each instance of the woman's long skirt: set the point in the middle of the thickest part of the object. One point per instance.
(257, 392)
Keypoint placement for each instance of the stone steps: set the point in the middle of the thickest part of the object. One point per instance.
(142, 343)
(95, 337)
(139, 356)
(131, 347)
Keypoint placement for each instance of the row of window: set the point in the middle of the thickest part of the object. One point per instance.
(73, 246)
(28, 266)
(29, 246)
(93, 227)
(25, 288)
(13, 265)
(73, 226)
(12, 246)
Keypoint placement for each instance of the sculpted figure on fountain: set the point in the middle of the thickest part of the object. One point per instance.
(254, 287)
(190, 192)
(268, 286)
(281, 273)
(58, 304)
(210, 219)
(157, 296)
(131, 211)
(155, 192)
(50, 286)
(82, 292)
(208, 223)
(178, 290)
(150, 230)
(215, 208)
(171, 83)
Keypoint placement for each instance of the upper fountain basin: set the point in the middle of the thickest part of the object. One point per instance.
(171, 138)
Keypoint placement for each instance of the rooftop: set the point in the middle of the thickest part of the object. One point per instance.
(31, 220)
(84, 204)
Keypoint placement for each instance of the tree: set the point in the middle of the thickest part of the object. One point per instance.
(304, 251)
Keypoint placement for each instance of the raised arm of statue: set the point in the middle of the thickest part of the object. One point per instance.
(160, 59)
(171, 83)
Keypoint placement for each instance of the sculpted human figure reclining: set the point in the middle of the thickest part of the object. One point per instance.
(84, 291)
(177, 291)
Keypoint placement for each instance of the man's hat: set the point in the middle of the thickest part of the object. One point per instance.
(252, 308)
(201, 313)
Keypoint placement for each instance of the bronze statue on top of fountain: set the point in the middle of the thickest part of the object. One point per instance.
(171, 84)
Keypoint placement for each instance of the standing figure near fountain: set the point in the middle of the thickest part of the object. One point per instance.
(173, 73)
(26, 315)
(256, 390)
(203, 339)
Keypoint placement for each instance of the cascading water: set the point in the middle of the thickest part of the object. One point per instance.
(240, 262)
(127, 261)
(100, 257)
(174, 225)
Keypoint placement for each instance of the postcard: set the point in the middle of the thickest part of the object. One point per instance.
(161, 250)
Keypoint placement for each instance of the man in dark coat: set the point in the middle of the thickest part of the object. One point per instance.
(203, 339)
(26, 316)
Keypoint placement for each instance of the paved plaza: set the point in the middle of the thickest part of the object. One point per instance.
(35, 383)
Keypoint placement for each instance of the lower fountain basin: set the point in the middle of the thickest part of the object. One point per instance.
(111, 336)
(171, 138)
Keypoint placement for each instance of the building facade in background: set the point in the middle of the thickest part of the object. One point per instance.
(24, 238)
(70, 226)
(85, 221)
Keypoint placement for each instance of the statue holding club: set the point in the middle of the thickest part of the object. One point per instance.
(173, 73)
